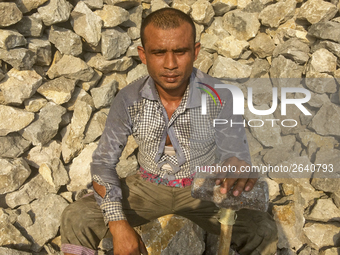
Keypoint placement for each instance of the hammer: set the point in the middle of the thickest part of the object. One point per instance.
(204, 188)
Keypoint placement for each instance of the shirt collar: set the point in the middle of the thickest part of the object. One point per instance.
(148, 91)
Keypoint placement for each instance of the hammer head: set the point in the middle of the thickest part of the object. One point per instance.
(256, 199)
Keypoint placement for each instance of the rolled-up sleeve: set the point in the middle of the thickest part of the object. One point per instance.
(106, 156)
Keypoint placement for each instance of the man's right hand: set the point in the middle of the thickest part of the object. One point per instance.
(126, 241)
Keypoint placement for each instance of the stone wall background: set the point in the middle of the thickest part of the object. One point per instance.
(62, 62)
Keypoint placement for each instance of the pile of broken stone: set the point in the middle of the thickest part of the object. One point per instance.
(62, 62)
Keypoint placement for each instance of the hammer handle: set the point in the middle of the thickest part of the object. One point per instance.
(225, 239)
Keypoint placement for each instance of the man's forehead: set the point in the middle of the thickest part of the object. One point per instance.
(181, 34)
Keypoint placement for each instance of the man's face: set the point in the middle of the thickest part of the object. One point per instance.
(169, 55)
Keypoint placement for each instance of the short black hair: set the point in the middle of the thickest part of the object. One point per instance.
(167, 18)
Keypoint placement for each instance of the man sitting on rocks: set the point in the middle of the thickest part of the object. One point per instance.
(163, 113)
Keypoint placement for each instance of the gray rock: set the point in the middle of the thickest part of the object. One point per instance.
(223, 6)
(180, 236)
(42, 49)
(327, 120)
(65, 41)
(79, 95)
(71, 67)
(9, 251)
(262, 45)
(230, 47)
(10, 14)
(28, 5)
(158, 4)
(19, 85)
(115, 43)
(20, 58)
(87, 85)
(55, 11)
(275, 14)
(47, 212)
(112, 15)
(331, 251)
(254, 146)
(324, 211)
(289, 221)
(96, 125)
(180, 5)
(103, 96)
(202, 12)
(326, 30)
(285, 68)
(318, 100)
(34, 104)
(10, 236)
(133, 33)
(98, 62)
(328, 45)
(262, 91)
(120, 77)
(260, 67)
(36, 188)
(204, 61)
(58, 90)
(43, 153)
(325, 142)
(94, 4)
(242, 25)
(209, 42)
(322, 61)
(13, 145)
(277, 155)
(293, 49)
(126, 4)
(217, 28)
(336, 198)
(320, 82)
(66, 119)
(321, 235)
(54, 173)
(128, 166)
(30, 25)
(80, 169)
(72, 142)
(45, 126)
(228, 68)
(10, 39)
(254, 6)
(136, 73)
(13, 174)
(86, 24)
(13, 119)
(269, 134)
(315, 11)
(132, 50)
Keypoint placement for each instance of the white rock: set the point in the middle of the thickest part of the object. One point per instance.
(28, 5)
(54, 173)
(79, 95)
(80, 169)
(103, 96)
(43, 154)
(230, 47)
(223, 6)
(55, 11)
(58, 90)
(10, 14)
(10, 39)
(98, 62)
(321, 235)
(315, 11)
(202, 12)
(115, 43)
(13, 174)
(323, 61)
(96, 125)
(112, 15)
(275, 14)
(325, 211)
(228, 68)
(86, 24)
(136, 73)
(13, 119)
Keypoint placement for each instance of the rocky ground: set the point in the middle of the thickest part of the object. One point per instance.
(62, 62)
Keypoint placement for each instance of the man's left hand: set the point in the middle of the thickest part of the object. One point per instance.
(240, 184)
